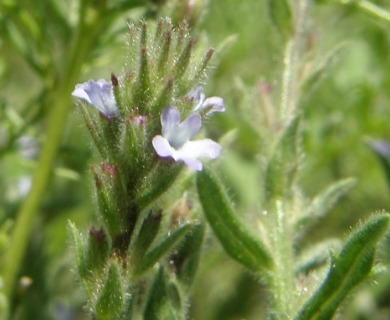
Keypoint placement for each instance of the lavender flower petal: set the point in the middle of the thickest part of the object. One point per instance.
(99, 94)
(189, 153)
(210, 105)
(162, 147)
(176, 143)
(170, 119)
(198, 96)
(178, 133)
(382, 147)
(213, 104)
(192, 150)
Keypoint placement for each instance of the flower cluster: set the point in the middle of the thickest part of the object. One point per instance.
(176, 139)
(144, 134)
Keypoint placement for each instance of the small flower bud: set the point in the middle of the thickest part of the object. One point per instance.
(110, 169)
(114, 80)
(97, 249)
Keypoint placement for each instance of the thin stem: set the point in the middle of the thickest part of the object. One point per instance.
(374, 10)
(290, 92)
(283, 276)
(286, 103)
(282, 279)
(61, 99)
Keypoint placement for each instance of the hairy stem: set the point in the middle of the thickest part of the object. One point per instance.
(282, 279)
(290, 90)
(374, 10)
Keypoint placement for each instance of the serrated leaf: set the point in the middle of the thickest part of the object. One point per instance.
(163, 248)
(237, 240)
(348, 269)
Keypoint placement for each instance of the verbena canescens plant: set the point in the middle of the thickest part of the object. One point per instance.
(144, 125)
(141, 260)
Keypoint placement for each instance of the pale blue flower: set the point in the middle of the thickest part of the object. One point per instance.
(382, 147)
(99, 94)
(210, 105)
(175, 141)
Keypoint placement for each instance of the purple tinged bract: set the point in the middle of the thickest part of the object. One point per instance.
(99, 94)
(175, 141)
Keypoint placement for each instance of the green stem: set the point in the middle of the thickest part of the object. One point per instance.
(282, 277)
(287, 83)
(61, 101)
(374, 10)
(290, 81)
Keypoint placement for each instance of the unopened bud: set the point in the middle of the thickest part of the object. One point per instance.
(110, 169)
(114, 80)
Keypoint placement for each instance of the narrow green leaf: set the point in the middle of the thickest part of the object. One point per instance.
(106, 198)
(284, 162)
(321, 69)
(159, 305)
(163, 248)
(315, 256)
(145, 236)
(165, 51)
(281, 15)
(183, 60)
(79, 250)
(157, 294)
(95, 130)
(235, 237)
(16, 37)
(325, 201)
(159, 179)
(349, 268)
(186, 258)
(111, 300)
(4, 306)
(165, 97)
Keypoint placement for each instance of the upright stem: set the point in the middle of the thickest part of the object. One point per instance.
(290, 81)
(374, 10)
(282, 280)
(60, 100)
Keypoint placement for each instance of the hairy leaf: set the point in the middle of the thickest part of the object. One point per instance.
(348, 269)
(164, 247)
(238, 241)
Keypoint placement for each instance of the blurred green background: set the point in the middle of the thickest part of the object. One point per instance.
(347, 107)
